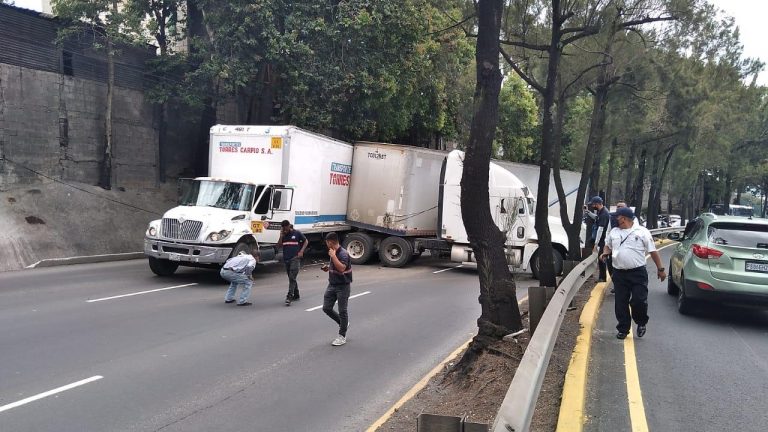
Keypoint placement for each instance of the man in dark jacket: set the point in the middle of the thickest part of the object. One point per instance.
(293, 244)
(600, 229)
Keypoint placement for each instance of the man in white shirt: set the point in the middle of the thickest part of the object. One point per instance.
(627, 245)
(238, 270)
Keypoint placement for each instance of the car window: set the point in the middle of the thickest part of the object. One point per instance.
(691, 228)
(738, 234)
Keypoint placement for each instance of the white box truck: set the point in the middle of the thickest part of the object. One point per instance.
(405, 200)
(258, 176)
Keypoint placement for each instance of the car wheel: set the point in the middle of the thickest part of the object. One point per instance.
(395, 251)
(672, 289)
(162, 267)
(359, 246)
(684, 304)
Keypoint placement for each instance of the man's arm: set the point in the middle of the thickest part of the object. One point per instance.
(657, 260)
(303, 246)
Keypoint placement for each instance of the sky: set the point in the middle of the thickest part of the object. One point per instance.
(749, 15)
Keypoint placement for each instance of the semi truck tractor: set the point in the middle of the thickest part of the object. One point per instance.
(406, 200)
(258, 176)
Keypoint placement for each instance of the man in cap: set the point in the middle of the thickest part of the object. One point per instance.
(599, 230)
(627, 246)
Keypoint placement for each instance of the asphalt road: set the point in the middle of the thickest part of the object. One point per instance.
(707, 372)
(179, 359)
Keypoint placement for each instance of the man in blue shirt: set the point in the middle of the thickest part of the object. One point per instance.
(238, 270)
(293, 244)
(339, 286)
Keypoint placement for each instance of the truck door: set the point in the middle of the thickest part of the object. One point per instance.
(273, 206)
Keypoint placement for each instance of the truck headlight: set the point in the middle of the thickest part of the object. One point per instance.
(219, 236)
(152, 231)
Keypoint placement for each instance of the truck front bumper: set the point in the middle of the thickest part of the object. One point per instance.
(186, 253)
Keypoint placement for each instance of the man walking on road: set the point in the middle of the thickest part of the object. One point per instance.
(293, 243)
(627, 245)
(238, 270)
(599, 230)
(339, 286)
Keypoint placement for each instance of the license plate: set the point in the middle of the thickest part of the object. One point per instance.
(257, 226)
(754, 266)
(174, 257)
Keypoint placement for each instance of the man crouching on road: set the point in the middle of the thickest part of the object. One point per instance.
(339, 280)
(238, 270)
(627, 245)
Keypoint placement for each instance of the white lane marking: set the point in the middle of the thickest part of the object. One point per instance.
(647, 257)
(140, 292)
(350, 297)
(445, 270)
(50, 393)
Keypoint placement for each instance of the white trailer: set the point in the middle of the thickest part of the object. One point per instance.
(404, 200)
(258, 176)
(393, 200)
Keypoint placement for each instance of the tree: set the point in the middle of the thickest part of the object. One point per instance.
(518, 122)
(500, 314)
(101, 20)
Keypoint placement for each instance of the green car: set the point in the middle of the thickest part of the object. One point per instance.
(720, 259)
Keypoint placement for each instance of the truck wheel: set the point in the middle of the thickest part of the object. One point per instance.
(240, 247)
(162, 267)
(395, 251)
(556, 258)
(359, 246)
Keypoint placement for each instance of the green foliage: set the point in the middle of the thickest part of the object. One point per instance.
(517, 130)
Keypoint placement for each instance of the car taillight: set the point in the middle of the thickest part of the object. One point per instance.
(704, 286)
(704, 252)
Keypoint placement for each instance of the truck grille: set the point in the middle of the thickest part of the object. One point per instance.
(187, 230)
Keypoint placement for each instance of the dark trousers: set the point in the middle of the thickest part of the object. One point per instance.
(601, 266)
(631, 291)
(340, 294)
(292, 268)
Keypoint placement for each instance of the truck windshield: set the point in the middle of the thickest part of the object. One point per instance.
(220, 194)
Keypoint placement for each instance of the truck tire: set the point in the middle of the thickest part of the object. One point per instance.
(359, 246)
(395, 251)
(240, 247)
(162, 267)
(556, 257)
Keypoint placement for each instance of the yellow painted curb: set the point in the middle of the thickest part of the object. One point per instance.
(571, 418)
(422, 383)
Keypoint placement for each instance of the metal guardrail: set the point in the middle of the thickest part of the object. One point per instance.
(516, 410)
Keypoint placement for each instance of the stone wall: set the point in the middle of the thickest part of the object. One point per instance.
(54, 124)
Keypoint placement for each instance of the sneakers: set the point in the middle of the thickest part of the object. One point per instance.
(229, 301)
(621, 335)
(245, 304)
(640, 331)
(287, 301)
(339, 341)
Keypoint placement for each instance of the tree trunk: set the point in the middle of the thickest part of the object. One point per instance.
(196, 29)
(499, 310)
(572, 229)
(596, 137)
(653, 212)
(629, 169)
(547, 275)
(611, 166)
(105, 177)
(639, 188)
